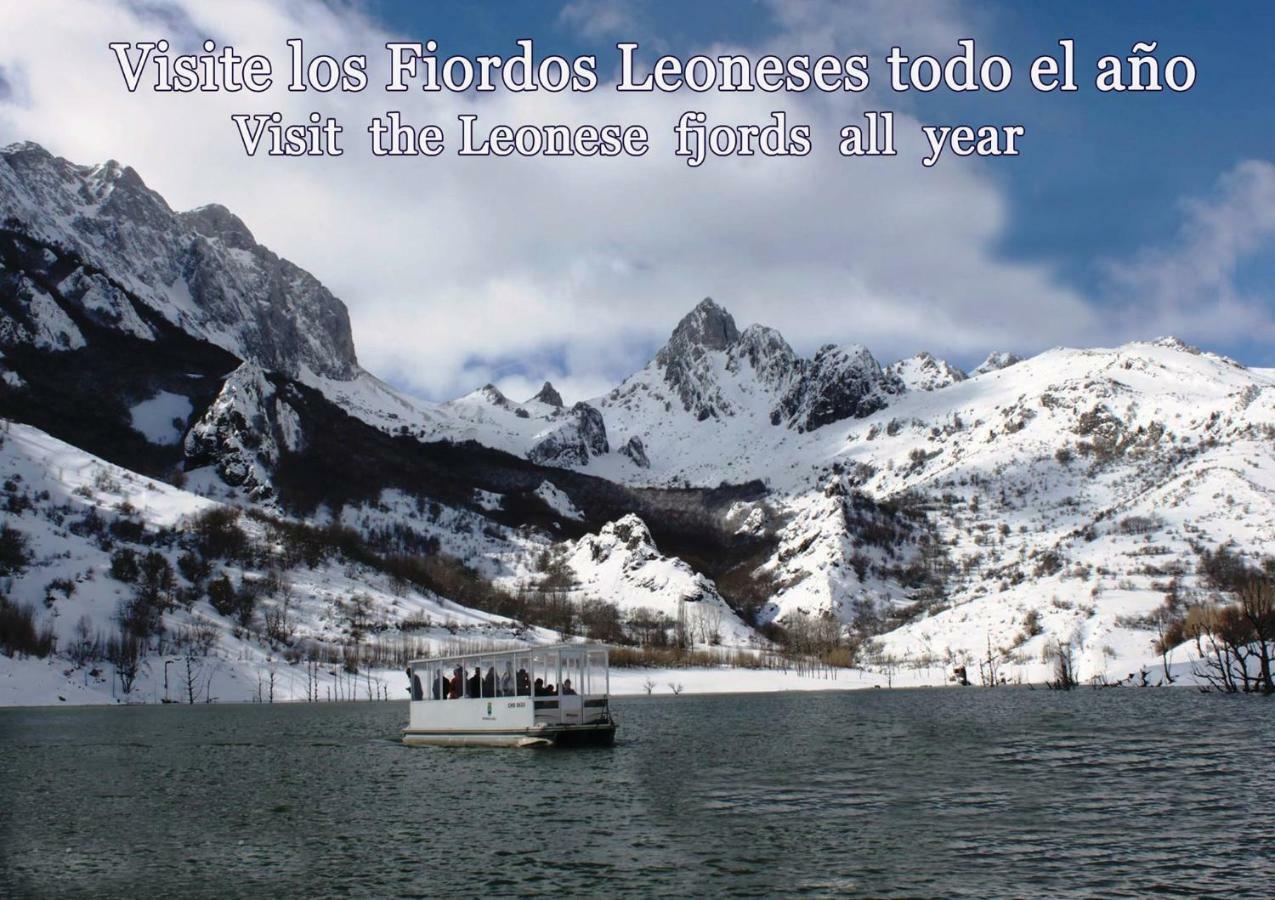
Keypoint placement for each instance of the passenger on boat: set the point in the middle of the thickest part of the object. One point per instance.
(540, 687)
(489, 682)
(524, 683)
(507, 681)
(567, 689)
(415, 681)
(440, 685)
(457, 689)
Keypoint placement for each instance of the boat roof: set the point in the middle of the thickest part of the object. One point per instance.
(518, 651)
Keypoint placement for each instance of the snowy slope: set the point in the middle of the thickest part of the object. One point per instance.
(621, 564)
(76, 511)
(107, 238)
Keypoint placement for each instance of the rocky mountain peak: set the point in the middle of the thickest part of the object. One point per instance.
(548, 395)
(766, 351)
(925, 372)
(708, 328)
(996, 360)
(581, 435)
(837, 383)
(202, 271)
(707, 325)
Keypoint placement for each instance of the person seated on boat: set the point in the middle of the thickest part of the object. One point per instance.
(540, 688)
(439, 686)
(567, 689)
(506, 687)
(489, 682)
(524, 683)
(415, 681)
(474, 686)
(551, 690)
(457, 687)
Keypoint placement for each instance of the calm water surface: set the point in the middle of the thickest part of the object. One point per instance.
(920, 793)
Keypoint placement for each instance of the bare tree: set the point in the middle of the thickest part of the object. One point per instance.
(675, 687)
(194, 669)
(1064, 658)
(1257, 603)
(648, 685)
(124, 652)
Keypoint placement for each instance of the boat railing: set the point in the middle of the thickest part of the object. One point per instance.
(569, 683)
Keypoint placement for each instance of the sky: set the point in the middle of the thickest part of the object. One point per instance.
(1126, 216)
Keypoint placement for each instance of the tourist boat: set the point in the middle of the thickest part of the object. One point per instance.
(549, 696)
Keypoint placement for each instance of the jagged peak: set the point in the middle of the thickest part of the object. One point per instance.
(25, 148)
(628, 530)
(708, 325)
(1169, 342)
(850, 352)
(996, 360)
(548, 395)
(765, 350)
(925, 372)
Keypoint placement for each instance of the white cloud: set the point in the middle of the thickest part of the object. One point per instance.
(1189, 287)
(452, 268)
(602, 19)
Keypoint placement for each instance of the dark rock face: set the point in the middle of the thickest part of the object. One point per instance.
(492, 395)
(707, 325)
(635, 451)
(581, 436)
(548, 395)
(246, 431)
(684, 359)
(765, 351)
(838, 383)
(201, 270)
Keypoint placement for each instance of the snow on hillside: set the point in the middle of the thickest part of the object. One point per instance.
(78, 514)
(106, 238)
(622, 565)
(1022, 474)
(1037, 501)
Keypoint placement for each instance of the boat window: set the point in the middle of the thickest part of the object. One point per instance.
(473, 678)
(522, 676)
(455, 681)
(505, 677)
(596, 673)
(487, 673)
(572, 679)
(553, 673)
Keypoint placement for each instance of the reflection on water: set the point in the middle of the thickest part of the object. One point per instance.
(940, 792)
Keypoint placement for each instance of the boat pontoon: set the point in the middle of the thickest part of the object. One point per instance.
(557, 695)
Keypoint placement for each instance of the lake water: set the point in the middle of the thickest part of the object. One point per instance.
(922, 793)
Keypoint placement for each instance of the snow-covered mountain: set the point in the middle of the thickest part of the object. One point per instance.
(93, 242)
(730, 487)
(924, 372)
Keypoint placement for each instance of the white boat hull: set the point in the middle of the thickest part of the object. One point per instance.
(601, 734)
(510, 722)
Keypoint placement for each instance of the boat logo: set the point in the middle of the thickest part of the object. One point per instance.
(489, 707)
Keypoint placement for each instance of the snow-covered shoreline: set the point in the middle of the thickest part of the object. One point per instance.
(35, 682)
